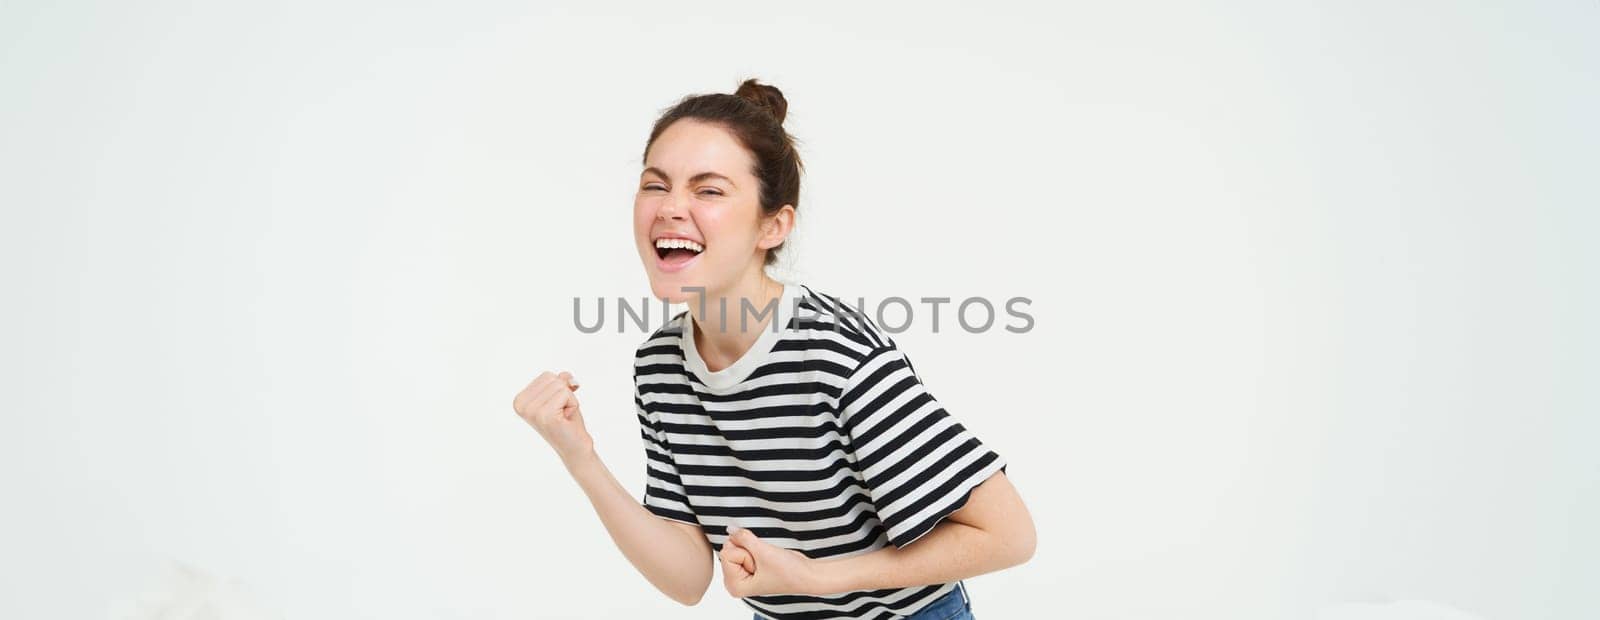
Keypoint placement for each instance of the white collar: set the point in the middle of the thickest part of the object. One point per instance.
(751, 359)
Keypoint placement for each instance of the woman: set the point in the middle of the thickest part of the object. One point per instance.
(783, 430)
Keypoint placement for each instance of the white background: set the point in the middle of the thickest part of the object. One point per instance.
(1314, 292)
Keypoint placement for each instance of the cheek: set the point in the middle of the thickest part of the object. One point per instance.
(643, 213)
(712, 228)
(723, 228)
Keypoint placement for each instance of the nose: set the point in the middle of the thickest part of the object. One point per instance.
(671, 209)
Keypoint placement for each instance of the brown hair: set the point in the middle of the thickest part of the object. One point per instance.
(754, 115)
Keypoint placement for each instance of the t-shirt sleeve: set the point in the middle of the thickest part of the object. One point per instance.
(663, 489)
(919, 463)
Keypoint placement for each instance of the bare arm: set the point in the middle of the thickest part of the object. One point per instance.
(991, 532)
(674, 556)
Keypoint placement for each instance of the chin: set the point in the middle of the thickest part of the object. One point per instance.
(671, 288)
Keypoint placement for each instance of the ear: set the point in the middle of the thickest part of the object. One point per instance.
(775, 228)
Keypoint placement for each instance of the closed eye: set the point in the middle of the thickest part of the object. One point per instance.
(658, 187)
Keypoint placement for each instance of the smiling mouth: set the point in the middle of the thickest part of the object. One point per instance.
(677, 251)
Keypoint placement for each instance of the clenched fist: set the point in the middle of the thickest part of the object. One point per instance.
(753, 567)
(550, 407)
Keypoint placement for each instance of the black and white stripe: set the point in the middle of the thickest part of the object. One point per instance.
(828, 444)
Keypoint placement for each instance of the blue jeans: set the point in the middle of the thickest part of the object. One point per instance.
(954, 605)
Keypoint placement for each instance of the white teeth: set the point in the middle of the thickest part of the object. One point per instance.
(669, 244)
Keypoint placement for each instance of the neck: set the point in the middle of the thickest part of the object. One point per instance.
(718, 334)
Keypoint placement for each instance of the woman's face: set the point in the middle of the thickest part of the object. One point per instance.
(696, 217)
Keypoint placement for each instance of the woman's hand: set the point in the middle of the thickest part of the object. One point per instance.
(753, 567)
(550, 407)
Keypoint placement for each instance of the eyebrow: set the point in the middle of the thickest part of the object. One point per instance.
(697, 177)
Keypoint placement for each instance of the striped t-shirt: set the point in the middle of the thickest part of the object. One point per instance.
(821, 438)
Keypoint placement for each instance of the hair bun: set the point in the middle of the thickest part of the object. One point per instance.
(765, 95)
